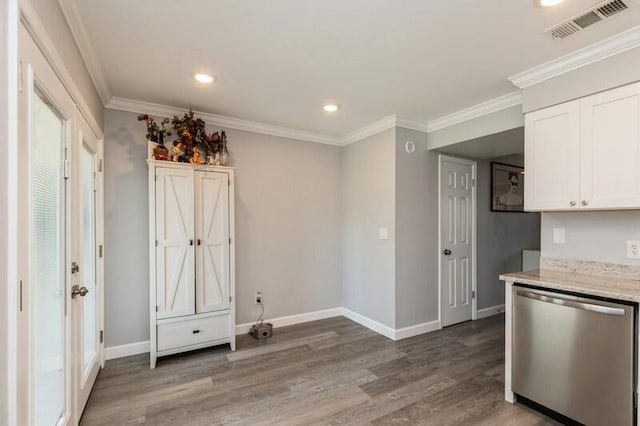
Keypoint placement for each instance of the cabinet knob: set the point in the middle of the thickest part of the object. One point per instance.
(572, 203)
(584, 202)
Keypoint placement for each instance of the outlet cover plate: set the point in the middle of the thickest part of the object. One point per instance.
(633, 249)
(559, 236)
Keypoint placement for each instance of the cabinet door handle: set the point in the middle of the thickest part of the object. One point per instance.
(199, 242)
(196, 331)
(584, 202)
(190, 242)
(572, 203)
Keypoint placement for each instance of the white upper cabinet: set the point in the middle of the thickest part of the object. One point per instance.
(585, 154)
(212, 251)
(552, 149)
(610, 149)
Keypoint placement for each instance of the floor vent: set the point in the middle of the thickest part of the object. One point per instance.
(589, 17)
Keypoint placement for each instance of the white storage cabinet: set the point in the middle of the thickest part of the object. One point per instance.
(585, 154)
(191, 210)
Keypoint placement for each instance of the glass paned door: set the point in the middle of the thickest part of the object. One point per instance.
(48, 255)
(89, 350)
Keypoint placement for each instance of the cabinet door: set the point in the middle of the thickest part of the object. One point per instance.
(175, 290)
(610, 150)
(552, 155)
(212, 249)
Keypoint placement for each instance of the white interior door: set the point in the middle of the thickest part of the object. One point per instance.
(212, 233)
(45, 133)
(457, 240)
(175, 267)
(87, 296)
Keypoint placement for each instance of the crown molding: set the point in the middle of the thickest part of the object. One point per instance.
(606, 48)
(141, 107)
(78, 30)
(382, 125)
(484, 108)
(36, 29)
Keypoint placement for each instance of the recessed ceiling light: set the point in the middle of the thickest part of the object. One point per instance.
(331, 107)
(548, 3)
(203, 78)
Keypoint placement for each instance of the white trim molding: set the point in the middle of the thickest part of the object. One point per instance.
(494, 105)
(130, 349)
(141, 107)
(79, 32)
(490, 311)
(606, 48)
(380, 126)
(293, 319)
(37, 31)
(416, 330)
(379, 328)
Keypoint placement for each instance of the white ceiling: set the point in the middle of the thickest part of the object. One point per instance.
(278, 61)
(508, 142)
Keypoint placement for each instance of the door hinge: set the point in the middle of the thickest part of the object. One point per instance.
(473, 182)
(20, 88)
(101, 336)
(228, 183)
(66, 163)
(229, 240)
(156, 243)
(230, 299)
(473, 294)
(100, 165)
(156, 308)
(20, 295)
(100, 251)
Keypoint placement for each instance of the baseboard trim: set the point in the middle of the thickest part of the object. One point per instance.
(369, 323)
(416, 330)
(490, 311)
(293, 319)
(122, 351)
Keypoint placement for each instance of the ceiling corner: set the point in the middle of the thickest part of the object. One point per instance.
(78, 30)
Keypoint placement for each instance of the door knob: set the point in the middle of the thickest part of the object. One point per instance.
(77, 290)
(446, 252)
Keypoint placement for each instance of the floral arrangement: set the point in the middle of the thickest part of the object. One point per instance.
(155, 133)
(193, 144)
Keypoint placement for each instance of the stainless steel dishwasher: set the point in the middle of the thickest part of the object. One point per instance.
(574, 355)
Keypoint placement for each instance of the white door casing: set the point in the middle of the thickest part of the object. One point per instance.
(457, 269)
(212, 235)
(610, 149)
(174, 242)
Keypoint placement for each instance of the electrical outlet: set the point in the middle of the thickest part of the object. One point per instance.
(633, 249)
(258, 297)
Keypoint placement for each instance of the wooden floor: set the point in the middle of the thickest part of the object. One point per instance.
(326, 372)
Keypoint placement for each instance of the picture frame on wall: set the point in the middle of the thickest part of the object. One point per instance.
(507, 188)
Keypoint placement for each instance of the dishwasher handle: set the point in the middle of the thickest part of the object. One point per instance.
(607, 310)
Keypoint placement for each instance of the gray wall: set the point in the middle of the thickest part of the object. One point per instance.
(488, 124)
(288, 226)
(501, 237)
(416, 231)
(614, 71)
(600, 236)
(368, 203)
(56, 26)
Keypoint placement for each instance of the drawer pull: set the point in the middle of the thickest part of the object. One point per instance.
(196, 331)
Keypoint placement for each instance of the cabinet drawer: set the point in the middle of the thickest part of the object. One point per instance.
(192, 332)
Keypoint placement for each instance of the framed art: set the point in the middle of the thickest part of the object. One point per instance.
(507, 188)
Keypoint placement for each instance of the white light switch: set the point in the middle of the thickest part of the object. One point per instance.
(558, 236)
(383, 233)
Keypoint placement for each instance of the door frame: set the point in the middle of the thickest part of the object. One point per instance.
(474, 236)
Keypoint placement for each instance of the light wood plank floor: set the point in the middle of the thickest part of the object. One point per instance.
(326, 372)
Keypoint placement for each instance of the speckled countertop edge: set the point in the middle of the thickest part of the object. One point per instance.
(609, 280)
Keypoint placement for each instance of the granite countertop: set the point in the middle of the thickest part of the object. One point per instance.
(613, 281)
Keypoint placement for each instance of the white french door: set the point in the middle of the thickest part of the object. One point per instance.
(60, 271)
(86, 293)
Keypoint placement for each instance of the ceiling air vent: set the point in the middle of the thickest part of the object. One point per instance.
(589, 17)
